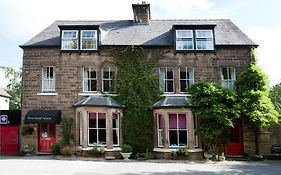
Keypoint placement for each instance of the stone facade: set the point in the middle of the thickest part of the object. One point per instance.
(68, 76)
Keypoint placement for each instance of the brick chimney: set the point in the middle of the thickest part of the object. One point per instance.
(141, 13)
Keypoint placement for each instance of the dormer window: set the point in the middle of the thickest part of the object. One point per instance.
(190, 38)
(204, 40)
(77, 38)
(88, 40)
(184, 40)
(69, 40)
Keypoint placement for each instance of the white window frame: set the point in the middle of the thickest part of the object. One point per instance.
(117, 129)
(178, 38)
(111, 80)
(97, 129)
(89, 79)
(177, 129)
(48, 80)
(94, 39)
(189, 80)
(69, 39)
(206, 39)
(159, 131)
(196, 141)
(229, 82)
(80, 128)
(166, 80)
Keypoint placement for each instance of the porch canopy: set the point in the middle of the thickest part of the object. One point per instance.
(98, 101)
(43, 116)
(172, 102)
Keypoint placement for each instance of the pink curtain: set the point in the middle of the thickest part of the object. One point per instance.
(173, 121)
(160, 121)
(101, 116)
(182, 121)
(92, 116)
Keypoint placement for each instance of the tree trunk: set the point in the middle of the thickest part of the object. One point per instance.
(256, 141)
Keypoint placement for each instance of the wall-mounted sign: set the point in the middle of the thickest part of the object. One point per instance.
(3, 119)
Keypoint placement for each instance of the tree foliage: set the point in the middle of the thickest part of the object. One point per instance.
(253, 92)
(216, 110)
(137, 89)
(14, 87)
(275, 96)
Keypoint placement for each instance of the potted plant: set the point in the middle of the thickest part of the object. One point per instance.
(126, 151)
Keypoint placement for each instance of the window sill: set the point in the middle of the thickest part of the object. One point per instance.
(89, 94)
(47, 94)
(177, 95)
(175, 149)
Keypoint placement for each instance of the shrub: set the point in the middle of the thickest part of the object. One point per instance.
(97, 151)
(27, 130)
(55, 148)
(67, 150)
(183, 151)
(67, 135)
(126, 148)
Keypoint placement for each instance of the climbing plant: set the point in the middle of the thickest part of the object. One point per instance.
(137, 89)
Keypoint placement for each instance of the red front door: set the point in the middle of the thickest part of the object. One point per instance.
(9, 139)
(47, 137)
(235, 146)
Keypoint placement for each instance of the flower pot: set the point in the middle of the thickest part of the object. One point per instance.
(126, 155)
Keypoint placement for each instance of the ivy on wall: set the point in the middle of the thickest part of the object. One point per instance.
(137, 89)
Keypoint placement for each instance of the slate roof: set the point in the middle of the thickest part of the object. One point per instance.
(172, 102)
(3, 93)
(98, 101)
(157, 33)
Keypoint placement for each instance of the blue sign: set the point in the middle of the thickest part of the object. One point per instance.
(4, 119)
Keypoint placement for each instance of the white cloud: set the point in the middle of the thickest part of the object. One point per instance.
(268, 51)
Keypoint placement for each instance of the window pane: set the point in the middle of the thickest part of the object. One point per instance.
(106, 72)
(182, 121)
(160, 122)
(44, 130)
(102, 120)
(183, 73)
(170, 73)
(106, 85)
(160, 137)
(204, 34)
(102, 137)
(173, 121)
(184, 44)
(170, 86)
(162, 73)
(92, 120)
(115, 137)
(184, 34)
(224, 74)
(93, 85)
(92, 136)
(182, 138)
(183, 85)
(115, 120)
(173, 138)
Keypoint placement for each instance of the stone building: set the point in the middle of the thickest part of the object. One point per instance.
(69, 66)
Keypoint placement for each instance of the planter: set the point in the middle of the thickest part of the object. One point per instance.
(126, 155)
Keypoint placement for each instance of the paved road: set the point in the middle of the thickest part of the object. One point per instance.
(44, 166)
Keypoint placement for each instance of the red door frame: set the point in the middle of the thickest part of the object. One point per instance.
(46, 138)
(235, 147)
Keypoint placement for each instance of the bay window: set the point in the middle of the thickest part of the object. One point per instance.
(177, 130)
(160, 126)
(115, 128)
(97, 129)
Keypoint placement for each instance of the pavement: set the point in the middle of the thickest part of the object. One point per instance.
(49, 165)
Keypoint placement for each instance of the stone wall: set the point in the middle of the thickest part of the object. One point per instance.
(69, 66)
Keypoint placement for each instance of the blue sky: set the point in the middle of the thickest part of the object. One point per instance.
(260, 19)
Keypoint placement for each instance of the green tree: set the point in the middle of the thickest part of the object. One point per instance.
(216, 110)
(14, 87)
(253, 92)
(138, 89)
(275, 96)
